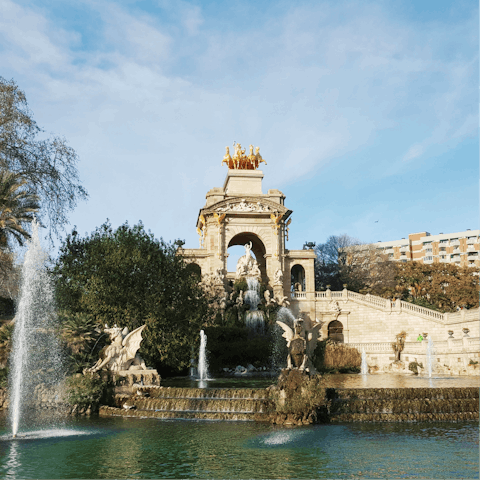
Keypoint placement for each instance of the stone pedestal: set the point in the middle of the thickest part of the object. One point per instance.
(127, 379)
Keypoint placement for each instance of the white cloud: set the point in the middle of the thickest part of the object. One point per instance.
(155, 106)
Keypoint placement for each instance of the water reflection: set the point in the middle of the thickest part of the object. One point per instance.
(150, 448)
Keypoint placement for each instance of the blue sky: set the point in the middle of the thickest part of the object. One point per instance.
(364, 111)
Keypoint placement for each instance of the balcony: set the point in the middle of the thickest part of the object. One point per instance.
(471, 248)
(444, 260)
(471, 241)
(456, 250)
(472, 264)
(454, 242)
(473, 256)
(404, 249)
(389, 250)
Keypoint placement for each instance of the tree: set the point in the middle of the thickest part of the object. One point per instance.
(331, 267)
(17, 208)
(441, 286)
(344, 260)
(126, 276)
(47, 165)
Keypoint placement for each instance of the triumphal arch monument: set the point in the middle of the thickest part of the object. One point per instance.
(239, 213)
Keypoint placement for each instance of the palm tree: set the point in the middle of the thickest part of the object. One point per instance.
(17, 207)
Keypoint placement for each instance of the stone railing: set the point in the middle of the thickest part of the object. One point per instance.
(422, 311)
(381, 347)
(397, 306)
(460, 345)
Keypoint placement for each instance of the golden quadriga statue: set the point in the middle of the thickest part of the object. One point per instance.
(240, 161)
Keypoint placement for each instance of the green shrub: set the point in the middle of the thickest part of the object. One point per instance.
(89, 390)
(333, 357)
(4, 377)
(472, 362)
(413, 367)
(299, 395)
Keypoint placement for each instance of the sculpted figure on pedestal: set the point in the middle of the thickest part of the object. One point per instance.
(121, 354)
(278, 278)
(301, 345)
(247, 266)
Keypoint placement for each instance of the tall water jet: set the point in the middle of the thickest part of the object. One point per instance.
(36, 355)
(253, 318)
(202, 358)
(364, 366)
(430, 354)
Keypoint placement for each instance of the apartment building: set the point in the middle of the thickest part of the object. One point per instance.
(460, 248)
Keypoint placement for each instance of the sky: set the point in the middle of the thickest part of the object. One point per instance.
(365, 111)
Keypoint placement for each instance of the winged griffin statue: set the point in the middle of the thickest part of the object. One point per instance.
(121, 354)
(301, 345)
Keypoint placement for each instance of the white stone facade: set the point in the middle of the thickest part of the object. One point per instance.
(240, 213)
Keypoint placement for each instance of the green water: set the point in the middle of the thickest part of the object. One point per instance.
(150, 448)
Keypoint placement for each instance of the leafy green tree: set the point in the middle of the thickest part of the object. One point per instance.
(47, 165)
(126, 276)
(17, 207)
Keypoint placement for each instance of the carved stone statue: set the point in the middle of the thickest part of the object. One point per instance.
(247, 266)
(239, 300)
(282, 301)
(301, 345)
(278, 278)
(121, 354)
(219, 276)
(334, 308)
(268, 300)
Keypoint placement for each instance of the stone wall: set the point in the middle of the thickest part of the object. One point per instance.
(371, 323)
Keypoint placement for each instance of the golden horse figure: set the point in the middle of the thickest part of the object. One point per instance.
(227, 158)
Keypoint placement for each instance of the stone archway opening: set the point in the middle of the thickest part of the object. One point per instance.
(297, 278)
(236, 250)
(335, 331)
(194, 269)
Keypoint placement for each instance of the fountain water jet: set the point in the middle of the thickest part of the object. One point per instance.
(202, 358)
(430, 354)
(36, 355)
(364, 366)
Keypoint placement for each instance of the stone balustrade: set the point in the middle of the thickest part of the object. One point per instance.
(395, 306)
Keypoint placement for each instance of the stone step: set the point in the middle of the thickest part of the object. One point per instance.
(397, 394)
(415, 406)
(187, 415)
(404, 417)
(229, 405)
(219, 393)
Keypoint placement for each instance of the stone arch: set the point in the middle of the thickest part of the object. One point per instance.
(297, 274)
(261, 232)
(194, 269)
(258, 248)
(335, 331)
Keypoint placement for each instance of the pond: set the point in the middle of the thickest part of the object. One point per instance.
(149, 448)
(335, 380)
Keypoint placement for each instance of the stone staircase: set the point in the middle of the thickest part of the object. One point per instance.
(191, 403)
